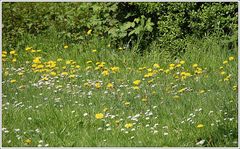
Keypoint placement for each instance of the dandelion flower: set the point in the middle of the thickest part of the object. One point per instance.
(200, 126)
(225, 62)
(136, 82)
(53, 73)
(98, 85)
(231, 58)
(14, 60)
(127, 103)
(89, 32)
(28, 141)
(128, 125)
(105, 73)
(195, 65)
(99, 116)
(156, 66)
(65, 47)
(109, 85)
(223, 73)
(36, 60)
(12, 52)
(182, 62)
(115, 69)
(135, 87)
(94, 50)
(13, 81)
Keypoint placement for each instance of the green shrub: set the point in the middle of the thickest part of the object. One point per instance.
(129, 25)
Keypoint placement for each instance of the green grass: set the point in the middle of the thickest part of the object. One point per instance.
(56, 107)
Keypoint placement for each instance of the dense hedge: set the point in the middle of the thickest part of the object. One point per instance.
(126, 24)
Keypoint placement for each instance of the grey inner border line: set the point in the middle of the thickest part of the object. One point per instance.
(119, 1)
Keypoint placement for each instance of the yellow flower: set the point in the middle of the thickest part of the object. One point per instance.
(167, 71)
(235, 87)
(127, 103)
(195, 65)
(4, 55)
(223, 73)
(227, 78)
(65, 47)
(89, 32)
(28, 48)
(144, 99)
(150, 81)
(53, 73)
(97, 85)
(141, 68)
(117, 122)
(44, 78)
(231, 58)
(37, 60)
(99, 116)
(4, 52)
(198, 71)
(13, 81)
(171, 65)
(105, 109)
(150, 74)
(6, 73)
(178, 65)
(181, 90)
(50, 64)
(88, 62)
(14, 60)
(40, 66)
(129, 125)
(20, 73)
(88, 67)
(109, 85)
(33, 51)
(94, 50)
(86, 84)
(78, 66)
(115, 69)
(68, 62)
(135, 87)
(59, 59)
(105, 73)
(136, 82)
(156, 66)
(184, 75)
(12, 52)
(200, 126)
(28, 141)
(225, 62)
(182, 62)
(72, 76)
(64, 73)
(176, 97)
(101, 65)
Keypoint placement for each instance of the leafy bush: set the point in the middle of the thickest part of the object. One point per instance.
(129, 25)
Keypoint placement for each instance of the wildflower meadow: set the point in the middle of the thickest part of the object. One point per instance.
(90, 88)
